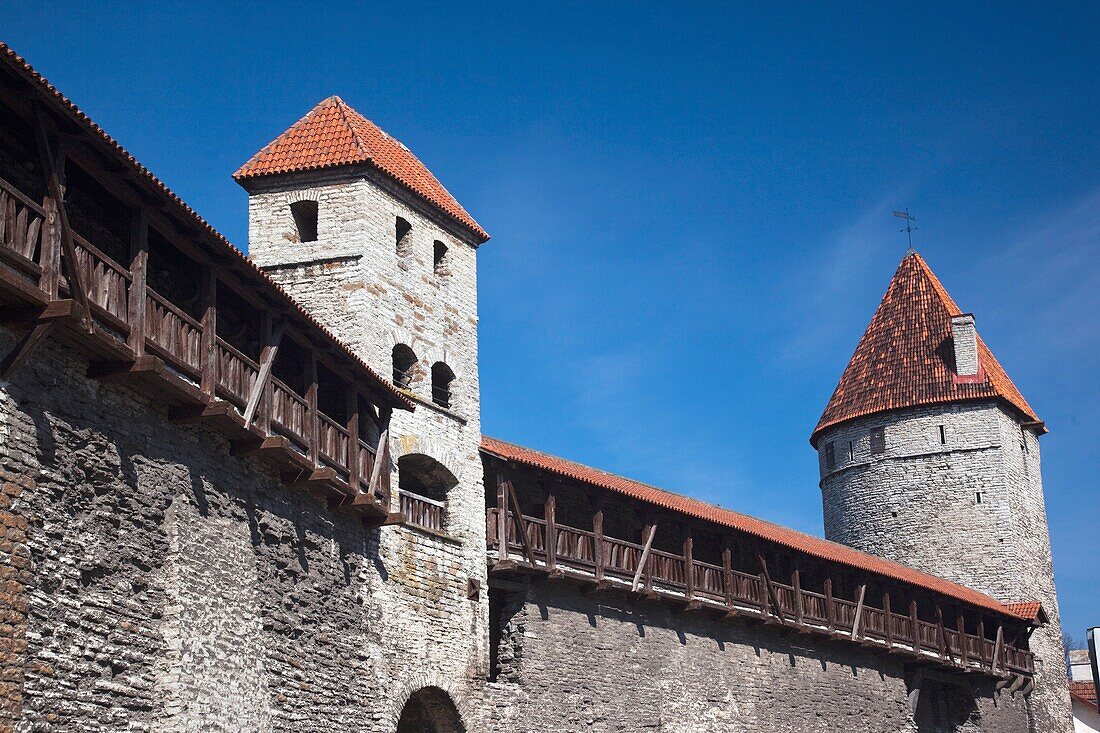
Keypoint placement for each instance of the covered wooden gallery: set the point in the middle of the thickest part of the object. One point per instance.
(569, 522)
(94, 250)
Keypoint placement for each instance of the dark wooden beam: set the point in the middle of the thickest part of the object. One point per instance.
(351, 408)
(24, 347)
(209, 343)
(267, 361)
(643, 558)
(313, 426)
(727, 571)
(143, 365)
(521, 526)
(796, 584)
(597, 530)
(689, 566)
(139, 267)
(502, 518)
(549, 513)
(830, 606)
(998, 648)
(766, 578)
(889, 615)
(960, 624)
(915, 622)
(859, 611)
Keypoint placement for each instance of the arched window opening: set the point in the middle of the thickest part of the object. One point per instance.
(404, 237)
(424, 484)
(430, 710)
(440, 260)
(305, 219)
(442, 383)
(404, 366)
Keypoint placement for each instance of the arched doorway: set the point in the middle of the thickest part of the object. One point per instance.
(430, 710)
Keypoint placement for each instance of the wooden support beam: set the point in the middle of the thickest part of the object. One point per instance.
(981, 645)
(521, 525)
(255, 447)
(689, 567)
(998, 649)
(650, 533)
(597, 530)
(50, 165)
(766, 578)
(24, 347)
(945, 647)
(889, 615)
(502, 518)
(549, 513)
(118, 369)
(380, 469)
(915, 624)
(209, 342)
(727, 572)
(313, 424)
(267, 361)
(49, 258)
(830, 605)
(139, 268)
(308, 479)
(960, 624)
(859, 611)
(351, 408)
(796, 584)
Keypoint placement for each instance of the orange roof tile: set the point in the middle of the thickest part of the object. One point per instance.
(333, 134)
(905, 357)
(251, 274)
(1029, 609)
(1084, 692)
(792, 539)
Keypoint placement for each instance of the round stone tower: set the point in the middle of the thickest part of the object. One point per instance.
(929, 457)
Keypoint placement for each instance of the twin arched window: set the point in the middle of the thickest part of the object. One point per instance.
(406, 372)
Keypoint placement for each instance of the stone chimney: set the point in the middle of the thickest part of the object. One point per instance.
(965, 339)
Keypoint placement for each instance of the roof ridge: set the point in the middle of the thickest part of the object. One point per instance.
(344, 109)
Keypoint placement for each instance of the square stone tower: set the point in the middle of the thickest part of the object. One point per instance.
(357, 229)
(929, 457)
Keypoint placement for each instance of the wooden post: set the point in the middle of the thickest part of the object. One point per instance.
(796, 584)
(312, 429)
(960, 623)
(209, 331)
(727, 571)
(550, 515)
(945, 649)
(272, 337)
(597, 530)
(49, 258)
(916, 625)
(139, 268)
(859, 611)
(521, 524)
(689, 567)
(889, 614)
(502, 517)
(263, 403)
(382, 456)
(649, 533)
(352, 409)
(830, 606)
(998, 648)
(981, 639)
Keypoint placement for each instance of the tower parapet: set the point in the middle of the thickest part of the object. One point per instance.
(929, 456)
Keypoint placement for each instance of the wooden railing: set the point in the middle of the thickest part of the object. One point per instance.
(21, 229)
(106, 282)
(173, 335)
(236, 374)
(333, 440)
(421, 511)
(741, 592)
(289, 413)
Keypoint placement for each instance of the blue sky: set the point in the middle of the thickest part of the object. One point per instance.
(690, 206)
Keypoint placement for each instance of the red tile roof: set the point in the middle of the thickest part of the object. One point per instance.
(333, 134)
(249, 272)
(905, 357)
(792, 539)
(1084, 692)
(1029, 609)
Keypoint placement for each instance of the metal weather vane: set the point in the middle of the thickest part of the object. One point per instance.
(909, 228)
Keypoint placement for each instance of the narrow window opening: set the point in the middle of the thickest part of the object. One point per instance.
(305, 219)
(978, 497)
(442, 381)
(943, 435)
(404, 362)
(878, 440)
(830, 457)
(894, 515)
(851, 451)
(404, 240)
(439, 258)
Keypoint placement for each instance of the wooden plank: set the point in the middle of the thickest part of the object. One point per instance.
(139, 268)
(597, 530)
(49, 257)
(502, 518)
(888, 613)
(267, 361)
(960, 624)
(689, 567)
(521, 525)
(981, 645)
(796, 584)
(651, 532)
(916, 625)
(118, 369)
(381, 454)
(24, 347)
(351, 407)
(767, 580)
(830, 605)
(209, 358)
(859, 611)
(550, 515)
(727, 572)
(998, 649)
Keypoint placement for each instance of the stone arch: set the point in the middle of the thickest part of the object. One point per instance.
(420, 474)
(406, 445)
(435, 354)
(302, 194)
(430, 710)
(448, 698)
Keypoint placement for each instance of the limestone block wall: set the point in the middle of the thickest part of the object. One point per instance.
(155, 583)
(600, 663)
(965, 503)
(374, 295)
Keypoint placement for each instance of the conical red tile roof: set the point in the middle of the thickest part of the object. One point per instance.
(906, 357)
(334, 134)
